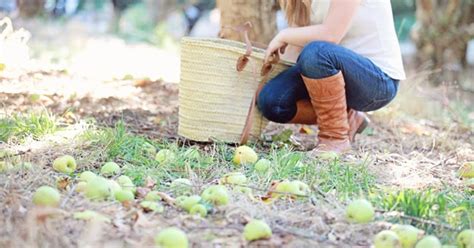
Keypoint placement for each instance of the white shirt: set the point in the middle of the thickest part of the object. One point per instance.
(372, 34)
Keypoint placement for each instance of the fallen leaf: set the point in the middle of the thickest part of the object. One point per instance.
(306, 130)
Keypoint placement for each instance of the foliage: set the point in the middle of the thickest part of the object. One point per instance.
(20, 126)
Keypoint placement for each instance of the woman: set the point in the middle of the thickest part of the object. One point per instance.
(348, 61)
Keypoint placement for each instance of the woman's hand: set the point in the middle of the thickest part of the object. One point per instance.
(275, 46)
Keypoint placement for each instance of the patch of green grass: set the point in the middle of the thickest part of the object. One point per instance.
(446, 207)
(19, 126)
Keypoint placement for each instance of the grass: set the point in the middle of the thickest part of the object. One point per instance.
(19, 126)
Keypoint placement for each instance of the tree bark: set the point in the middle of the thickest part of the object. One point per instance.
(441, 35)
(261, 13)
(30, 8)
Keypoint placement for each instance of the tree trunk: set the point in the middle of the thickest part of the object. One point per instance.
(441, 35)
(261, 13)
(30, 8)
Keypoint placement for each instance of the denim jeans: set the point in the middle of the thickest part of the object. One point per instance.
(368, 88)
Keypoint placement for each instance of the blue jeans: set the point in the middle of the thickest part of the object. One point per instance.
(368, 88)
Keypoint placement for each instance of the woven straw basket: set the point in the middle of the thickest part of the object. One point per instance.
(214, 98)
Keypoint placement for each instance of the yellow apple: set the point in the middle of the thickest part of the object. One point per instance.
(465, 239)
(257, 229)
(303, 188)
(65, 164)
(387, 239)
(234, 178)
(244, 155)
(198, 209)
(172, 237)
(286, 189)
(46, 196)
(429, 242)
(216, 194)
(110, 169)
(360, 211)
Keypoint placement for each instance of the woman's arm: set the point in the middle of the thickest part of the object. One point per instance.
(333, 29)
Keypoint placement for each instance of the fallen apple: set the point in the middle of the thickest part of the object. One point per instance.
(46, 196)
(190, 201)
(90, 215)
(124, 196)
(467, 170)
(172, 237)
(257, 229)
(329, 156)
(81, 187)
(360, 211)
(98, 188)
(387, 239)
(216, 194)
(126, 183)
(303, 188)
(165, 156)
(408, 235)
(151, 206)
(244, 155)
(234, 178)
(181, 186)
(153, 196)
(198, 209)
(429, 242)
(86, 176)
(65, 164)
(465, 239)
(110, 169)
(262, 166)
(286, 189)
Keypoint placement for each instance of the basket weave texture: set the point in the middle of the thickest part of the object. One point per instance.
(214, 98)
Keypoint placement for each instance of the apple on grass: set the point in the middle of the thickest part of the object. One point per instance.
(465, 239)
(234, 178)
(189, 202)
(81, 187)
(285, 189)
(244, 155)
(126, 183)
(153, 196)
(165, 156)
(65, 164)
(98, 189)
(387, 239)
(429, 242)
(124, 196)
(408, 235)
(86, 176)
(262, 165)
(181, 186)
(257, 229)
(172, 237)
(198, 209)
(151, 206)
(46, 196)
(216, 194)
(360, 211)
(110, 169)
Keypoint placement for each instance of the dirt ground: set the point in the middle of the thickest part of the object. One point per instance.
(404, 150)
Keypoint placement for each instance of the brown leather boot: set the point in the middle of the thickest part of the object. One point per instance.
(358, 121)
(328, 98)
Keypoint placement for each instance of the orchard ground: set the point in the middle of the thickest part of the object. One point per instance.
(82, 103)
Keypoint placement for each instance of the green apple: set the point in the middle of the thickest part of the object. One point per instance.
(234, 178)
(124, 196)
(387, 239)
(244, 155)
(98, 188)
(360, 211)
(467, 170)
(216, 194)
(151, 206)
(149, 149)
(110, 169)
(198, 209)
(114, 187)
(90, 215)
(86, 176)
(152, 196)
(126, 183)
(329, 156)
(465, 239)
(179, 201)
(192, 154)
(303, 188)
(46, 196)
(286, 189)
(262, 165)
(257, 229)
(81, 187)
(429, 242)
(65, 164)
(165, 156)
(172, 237)
(190, 201)
(408, 235)
(181, 186)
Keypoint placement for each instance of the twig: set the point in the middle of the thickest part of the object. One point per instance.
(266, 190)
(416, 219)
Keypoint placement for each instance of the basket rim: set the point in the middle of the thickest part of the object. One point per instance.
(230, 45)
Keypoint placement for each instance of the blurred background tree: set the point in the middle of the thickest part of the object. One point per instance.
(30, 8)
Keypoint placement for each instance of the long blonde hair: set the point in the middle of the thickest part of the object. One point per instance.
(298, 12)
